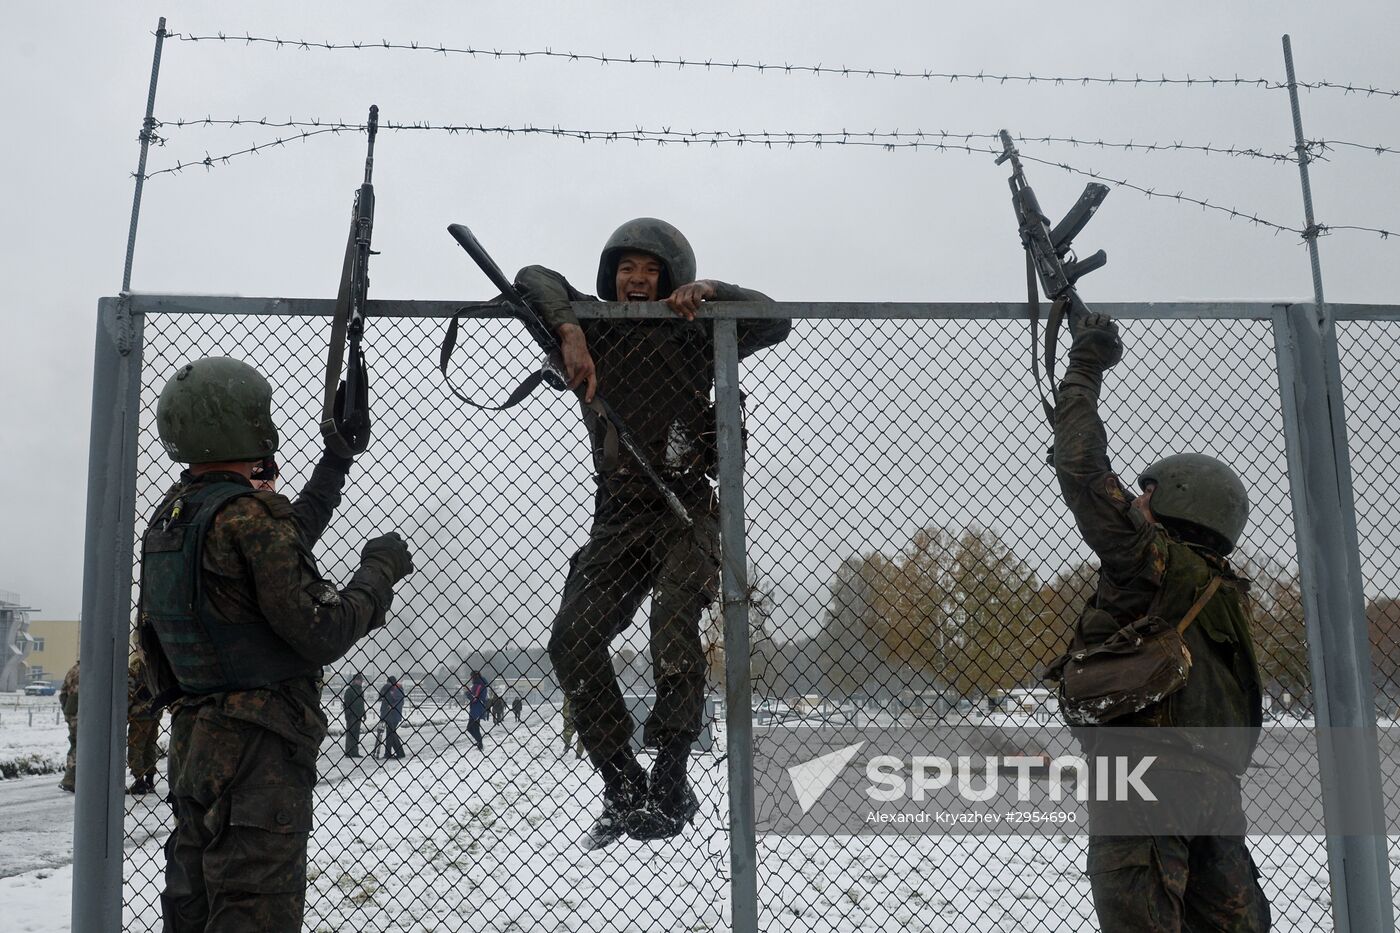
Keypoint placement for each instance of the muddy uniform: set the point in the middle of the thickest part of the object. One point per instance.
(68, 702)
(658, 376)
(1167, 882)
(248, 725)
(142, 726)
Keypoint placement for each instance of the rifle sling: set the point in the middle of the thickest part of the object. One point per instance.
(335, 357)
(521, 392)
(1052, 328)
(552, 378)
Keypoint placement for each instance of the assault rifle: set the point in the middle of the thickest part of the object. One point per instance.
(345, 420)
(552, 372)
(1049, 257)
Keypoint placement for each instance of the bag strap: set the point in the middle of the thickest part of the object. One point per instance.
(1198, 605)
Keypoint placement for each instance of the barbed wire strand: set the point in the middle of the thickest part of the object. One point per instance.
(760, 137)
(734, 65)
(664, 138)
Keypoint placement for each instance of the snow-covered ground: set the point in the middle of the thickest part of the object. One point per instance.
(452, 839)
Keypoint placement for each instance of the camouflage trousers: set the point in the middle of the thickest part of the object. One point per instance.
(637, 548)
(242, 797)
(70, 766)
(1167, 883)
(142, 752)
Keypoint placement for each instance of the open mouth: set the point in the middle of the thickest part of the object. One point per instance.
(636, 296)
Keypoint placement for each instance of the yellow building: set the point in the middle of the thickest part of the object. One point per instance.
(53, 647)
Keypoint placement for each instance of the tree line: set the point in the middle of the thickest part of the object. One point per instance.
(963, 614)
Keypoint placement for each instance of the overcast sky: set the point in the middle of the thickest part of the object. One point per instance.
(839, 223)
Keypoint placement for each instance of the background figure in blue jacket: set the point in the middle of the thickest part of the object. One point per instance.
(391, 713)
(478, 702)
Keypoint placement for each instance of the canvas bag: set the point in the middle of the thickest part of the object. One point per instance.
(1142, 663)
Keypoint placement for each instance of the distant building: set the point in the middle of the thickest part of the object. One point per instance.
(16, 641)
(53, 648)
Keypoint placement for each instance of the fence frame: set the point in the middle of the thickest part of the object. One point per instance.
(1324, 525)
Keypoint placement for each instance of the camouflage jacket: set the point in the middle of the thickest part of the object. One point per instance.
(68, 693)
(138, 691)
(657, 375)
(1144, 571)
(258, 568)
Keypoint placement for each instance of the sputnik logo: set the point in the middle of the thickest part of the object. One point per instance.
(811, 779)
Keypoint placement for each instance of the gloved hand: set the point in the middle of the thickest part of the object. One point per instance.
(390, 553)
(1096, 345)
(1095, 348)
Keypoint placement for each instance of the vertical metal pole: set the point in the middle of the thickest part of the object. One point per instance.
(98, 826)
(738, 692)
(1324, 510)
(147, 130)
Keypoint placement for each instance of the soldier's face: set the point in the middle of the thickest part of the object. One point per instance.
(638, 277)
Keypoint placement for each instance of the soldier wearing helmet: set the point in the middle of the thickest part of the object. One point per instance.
(1159, 553)
(234, 624)
(658, 376)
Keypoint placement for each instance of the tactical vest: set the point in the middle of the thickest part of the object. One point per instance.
(205, 654)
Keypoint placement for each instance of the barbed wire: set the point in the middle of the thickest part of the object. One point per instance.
(761, 137)
(940, 143)
(733, 65)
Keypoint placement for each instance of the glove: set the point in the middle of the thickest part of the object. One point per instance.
(1095, 348)
(390, 553)
(1096, 345)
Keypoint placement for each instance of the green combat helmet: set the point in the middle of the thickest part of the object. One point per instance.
(1200, 490)
(647, 235)
(214, 410)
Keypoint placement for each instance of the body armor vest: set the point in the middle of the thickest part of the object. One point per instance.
(206, 655)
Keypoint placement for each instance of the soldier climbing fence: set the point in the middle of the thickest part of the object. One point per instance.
(915, 471)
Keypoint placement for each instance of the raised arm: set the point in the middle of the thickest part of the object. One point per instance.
(1130, 552)
(319, 498)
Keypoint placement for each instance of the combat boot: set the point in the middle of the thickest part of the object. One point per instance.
(621, 797)
(669, 807)
(139, 787)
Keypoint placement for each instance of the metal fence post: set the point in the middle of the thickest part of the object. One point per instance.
(1334, 609)
(738, 691)
(1319, 468)
(98, 819)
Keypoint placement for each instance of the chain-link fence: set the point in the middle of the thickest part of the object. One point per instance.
(910, 563)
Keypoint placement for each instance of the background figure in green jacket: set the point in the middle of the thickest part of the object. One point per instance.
(353, 700)
(243, 649)
(1158, 552)
(657, 375)
(68, 702)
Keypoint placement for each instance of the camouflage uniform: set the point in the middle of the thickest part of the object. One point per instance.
(567, 713)
(142, 726)
(68, 701)
(1167, 882)
(243, 762)
(658, 376)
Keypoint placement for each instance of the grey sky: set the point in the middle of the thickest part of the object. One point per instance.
(836, 223)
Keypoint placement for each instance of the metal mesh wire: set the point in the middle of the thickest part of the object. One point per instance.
(882, 457)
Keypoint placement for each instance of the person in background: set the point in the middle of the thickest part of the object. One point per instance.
(478, 703)
(353, 702)
(391, 697)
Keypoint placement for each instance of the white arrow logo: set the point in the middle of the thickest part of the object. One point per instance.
(811, 779)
